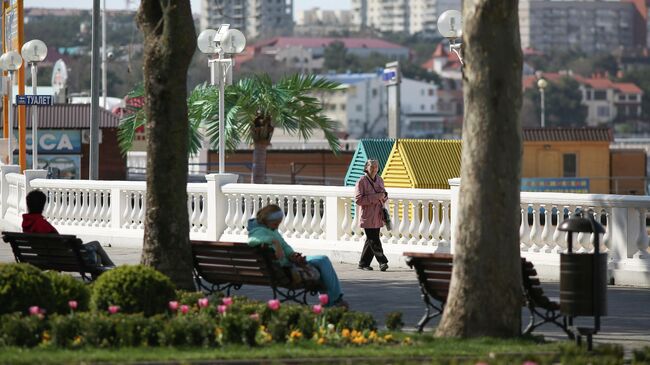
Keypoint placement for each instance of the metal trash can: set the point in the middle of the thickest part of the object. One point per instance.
(583, 277)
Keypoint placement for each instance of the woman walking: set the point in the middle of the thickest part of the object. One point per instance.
(370, 196)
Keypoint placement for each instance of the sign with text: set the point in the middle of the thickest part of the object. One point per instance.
(558, 185)
(55, 141)
(33, 99)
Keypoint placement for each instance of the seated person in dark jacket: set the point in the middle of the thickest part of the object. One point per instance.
(34, 222)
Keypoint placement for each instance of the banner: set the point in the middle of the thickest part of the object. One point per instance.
(556, 184)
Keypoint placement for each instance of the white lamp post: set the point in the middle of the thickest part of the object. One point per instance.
(11, 61)
(450, 26)
(541, 85)
(34, 52)
(223, 41)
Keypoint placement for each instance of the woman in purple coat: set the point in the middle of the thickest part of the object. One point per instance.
(370, 196)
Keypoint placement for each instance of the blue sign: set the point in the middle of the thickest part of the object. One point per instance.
(558, 184)
(56, 141)
(33, 99)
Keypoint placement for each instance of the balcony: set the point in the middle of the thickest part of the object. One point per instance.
(322, 219)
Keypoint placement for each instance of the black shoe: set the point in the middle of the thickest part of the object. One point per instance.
(383, 267)
(367, 268)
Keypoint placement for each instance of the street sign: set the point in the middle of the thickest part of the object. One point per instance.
(33, 99)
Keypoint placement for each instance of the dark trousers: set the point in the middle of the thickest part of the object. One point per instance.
(371, 248)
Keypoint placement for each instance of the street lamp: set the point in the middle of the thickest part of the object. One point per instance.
(450, 26)
(34, 52)
(224, 41)
(541, 85)
(10, 61)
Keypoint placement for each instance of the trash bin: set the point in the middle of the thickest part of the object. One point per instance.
(583, 276)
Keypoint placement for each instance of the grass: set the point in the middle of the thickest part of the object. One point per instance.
(423, 348)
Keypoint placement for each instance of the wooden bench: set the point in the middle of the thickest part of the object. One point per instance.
(56, 252)
(434, 276)
(222, 266)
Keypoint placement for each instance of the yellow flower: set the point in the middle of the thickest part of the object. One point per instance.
(372, 335)
(345, 332)
(321, 341)
(356, 333)
(46, 336)
(359, 340)
(407, 341)
(295, 335)
(77, 341)
(388, 338)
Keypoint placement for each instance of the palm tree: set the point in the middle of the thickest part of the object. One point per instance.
(255, 106)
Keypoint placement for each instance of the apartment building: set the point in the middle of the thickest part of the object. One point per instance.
(590, 26)
(321, 22)
(255, 18)
(401, 16)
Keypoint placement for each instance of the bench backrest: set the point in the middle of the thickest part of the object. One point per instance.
(433, 271)
(47, 251)
(532, 287)
(232, 262)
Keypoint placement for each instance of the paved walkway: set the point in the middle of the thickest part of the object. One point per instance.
(628, 322)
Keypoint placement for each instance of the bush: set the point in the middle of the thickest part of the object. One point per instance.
(137, 330)
(66, 288)
(357, 321)
(642, 356)
(188, 330)
(238, 329)
(16, 330)
(66, 330)
(135, 289)
(22, 286)
(98, 330)
(394, 321)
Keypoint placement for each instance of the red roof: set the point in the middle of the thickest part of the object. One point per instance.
(282, 42)
(598, 83)
(567, 134)
(628, 88)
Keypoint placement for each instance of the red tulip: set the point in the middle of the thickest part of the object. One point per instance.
(34, 310)
(324, 299)
(73, 304)
(173, 306)
(203, 302)
(185, 309)
(112, 309)
(227, 301)
(255, 317)
(317, 309)
(273, 304)
(222, 309)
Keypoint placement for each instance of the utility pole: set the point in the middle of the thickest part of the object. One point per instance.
(393, 79)
(93, 171)
(104, 55)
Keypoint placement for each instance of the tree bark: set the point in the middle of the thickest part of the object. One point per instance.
(169, 43)
(262, 132)
(485, 297)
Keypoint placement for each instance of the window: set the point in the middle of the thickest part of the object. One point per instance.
(343, 106)
(359, 108)
(374, 92)
(600, 95)
(569, 165)
(602, 111)
(430, 92)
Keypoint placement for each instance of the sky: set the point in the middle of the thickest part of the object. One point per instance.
(196, 4)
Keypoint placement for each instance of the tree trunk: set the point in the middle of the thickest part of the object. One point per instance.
(485, 296)
(169, 43)
(259, 161)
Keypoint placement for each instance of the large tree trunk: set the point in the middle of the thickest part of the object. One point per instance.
(485, 296)
(262, 133)
(169, 43)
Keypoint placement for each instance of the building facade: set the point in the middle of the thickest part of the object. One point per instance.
(401, 16)
(588, 26)
(255, 18)
(321, 22)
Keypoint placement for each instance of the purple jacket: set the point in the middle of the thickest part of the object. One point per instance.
(369, 197)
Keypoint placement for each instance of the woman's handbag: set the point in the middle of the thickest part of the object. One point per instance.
(387, 221)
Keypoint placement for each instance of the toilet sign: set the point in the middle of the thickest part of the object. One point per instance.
(33, 99)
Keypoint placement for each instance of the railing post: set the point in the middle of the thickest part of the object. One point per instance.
(623, 234)
(117, 206)
(4, 186)
(31, 175)
(332, 216)
(454, 185)
(217, 203)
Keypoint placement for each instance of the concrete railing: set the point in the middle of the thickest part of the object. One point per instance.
(323, 219)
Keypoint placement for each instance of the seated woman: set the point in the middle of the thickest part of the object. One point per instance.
(263, 230)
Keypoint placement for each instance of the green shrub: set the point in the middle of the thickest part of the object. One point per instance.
(98, 329)
(135, 289)
(134, 330)
(22, 286)
(357, 321)
(642, 356)
(188, 330)
(238, 329)
(394, 321)
(190, 298)
(17, 330)
(66, 330)
(66, 288)
(333, 315)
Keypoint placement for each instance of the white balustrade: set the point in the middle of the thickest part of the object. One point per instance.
(322, 216)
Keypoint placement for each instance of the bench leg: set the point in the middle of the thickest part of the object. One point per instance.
(427, 313)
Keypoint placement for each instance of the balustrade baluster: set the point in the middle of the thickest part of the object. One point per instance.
(357, 231)
(84, 213)
(229, 214)
(135, 212)
(445, 228)
(90, 217)
(196, 212)
(433, 225)
(559, 237)
(546, 237)
(283, 203)
(142, 209)
(424, 222)
(642, 239)
(288, 227)
(607, 237)
(102, 209)
(415, 223)
(524, 229)
(128, 206)
(535, 229)
(243, 223)
(53, 208)
(345, 222)
(188, 207)
(306, 219)
(584, 238)
(405, 223)
(237, 200)
(47, 210)
(203, 217)
(297, 218)
(78, 203)
(322, 223)
(69, 199)
(314, 225)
